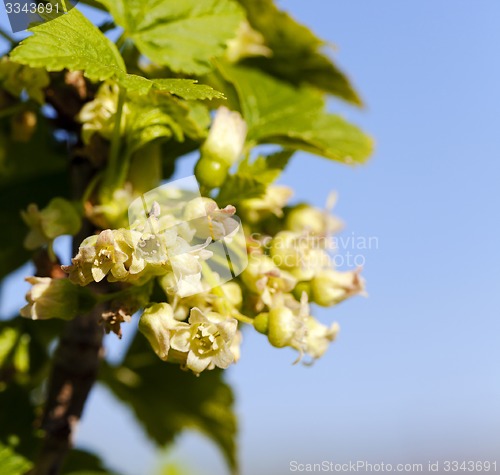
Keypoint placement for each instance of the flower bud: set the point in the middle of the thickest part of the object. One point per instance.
(210, 173)
(254, 276)
(283, 327)
(330, 287)
(226, 138)
(232, 293)
(261, 323)
(59, 217)
(51, 298)
(99, 115)
(285, 250)
(307, 218)
(248, 43)
(155, 324)
(300, 288)
(271, 203)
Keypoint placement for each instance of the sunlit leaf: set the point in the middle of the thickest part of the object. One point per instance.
(12, 463)
(238, 187)
(297, 52)
(167, 400)
(184, 36)
(72, 42)
(277, 112)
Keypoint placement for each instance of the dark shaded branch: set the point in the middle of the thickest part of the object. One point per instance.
(75, 370)
(75, 365)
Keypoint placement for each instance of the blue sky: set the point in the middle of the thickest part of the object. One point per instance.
(414, 375)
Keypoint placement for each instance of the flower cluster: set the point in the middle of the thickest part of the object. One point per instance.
(213, 277)
(291, 269)
(197, 324)
(161, 245)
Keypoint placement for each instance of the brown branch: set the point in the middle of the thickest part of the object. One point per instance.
(75, 364)
(75, 369)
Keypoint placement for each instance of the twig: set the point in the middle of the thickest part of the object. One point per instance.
(111, 174)
(75, 366)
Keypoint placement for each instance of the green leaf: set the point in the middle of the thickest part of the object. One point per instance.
(184, 36)
(8, 339)
(164, 117)
(80, 462)
(146, 123)
(167, 400)
(86, 472)
(23, 350)
(16, 78)
(71, 42)
(38, 166)
(184, 88)
(266, 169)
(297, 55)
(21, 161)
(240, 187)
(12, 463)
(276, 112)
(17, 382)
(17, 423)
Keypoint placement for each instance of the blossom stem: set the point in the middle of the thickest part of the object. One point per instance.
(216, 289)
(90, 188)
(103, 298)
(242, 318)
(111, 174)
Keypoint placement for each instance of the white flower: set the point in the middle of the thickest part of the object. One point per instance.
(157, 324)
(207, 341)
(185, 261)
(109, 257)
(330, 287)
(99, 115)
(247, 43)
(235, 347)
(305, 218)
(101, 256)
(265, 279)
(273, 202)
(319, 337)
(226, 138)
(208, 221)
(50, 298)
(287, 323)
(300, 253)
